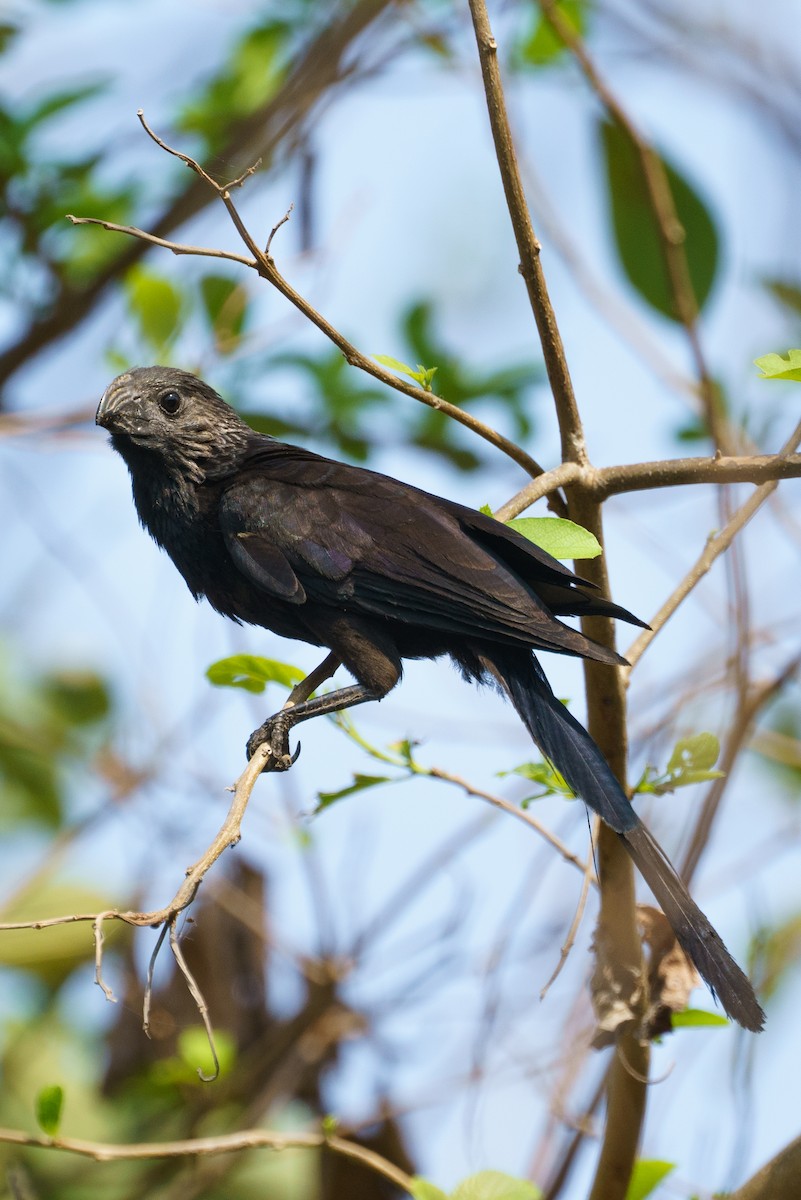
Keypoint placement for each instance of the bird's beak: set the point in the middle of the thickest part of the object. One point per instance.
(120, 409)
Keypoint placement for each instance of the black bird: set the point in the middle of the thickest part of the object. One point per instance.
(378, 571)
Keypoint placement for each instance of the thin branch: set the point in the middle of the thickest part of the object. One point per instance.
(266, 268)
(173, 247)
(199, 999)
(567, 945)
(505, 806)
(573, 447)
(714, 548)
(228, 1143)
(671, 231)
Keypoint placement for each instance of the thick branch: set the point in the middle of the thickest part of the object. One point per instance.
(780, 1179)
(603, 482)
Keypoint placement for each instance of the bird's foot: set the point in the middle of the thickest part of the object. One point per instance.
(275, 732)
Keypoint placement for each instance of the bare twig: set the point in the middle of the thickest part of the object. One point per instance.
(670, 230)
(266, 268)
(567, 945)
(714, 548)
(228, 1143)
(573, 447)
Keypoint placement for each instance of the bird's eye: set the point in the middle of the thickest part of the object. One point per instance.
(169, 403)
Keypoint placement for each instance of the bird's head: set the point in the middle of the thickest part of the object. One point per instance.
(176, 417)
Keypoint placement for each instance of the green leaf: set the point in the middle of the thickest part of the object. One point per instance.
(49, 1104)
(423, 375)
(558, 536)
(695, 1018)
(543, 47)
(225, 305)
(494, 1185)
(550, 781)
(773, 366)
(648, 1173)
(423, 1190)
(360, 784)
(692, 761)
(156, 305)
(251, 672)
(636, 231)
(394, 364)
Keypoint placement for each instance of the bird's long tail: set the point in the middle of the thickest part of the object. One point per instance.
(575, 755)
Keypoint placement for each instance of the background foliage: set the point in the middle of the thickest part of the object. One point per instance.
(382, 960)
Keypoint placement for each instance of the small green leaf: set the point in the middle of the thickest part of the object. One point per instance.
(558, 536)
(156, 305)
(486, 509)
(692, 761)
(394, 364)
(494, 1185)
(648, 1173)
(696, 753)
(636, 231)
(49, 1105)
(423, 1190)
(360, 784)
(694, 1018)
(549, 779)
(423, 375)
(773, 366)
(251, 672)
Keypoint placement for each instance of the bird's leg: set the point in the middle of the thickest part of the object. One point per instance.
(298, 707)
(310, 684)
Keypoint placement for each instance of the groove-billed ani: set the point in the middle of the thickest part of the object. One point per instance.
(378, 571)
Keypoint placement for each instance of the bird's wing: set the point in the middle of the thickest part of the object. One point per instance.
(300, 526)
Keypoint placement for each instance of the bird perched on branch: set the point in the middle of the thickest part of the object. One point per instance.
(376, 572)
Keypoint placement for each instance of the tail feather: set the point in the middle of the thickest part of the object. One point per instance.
(575, 755)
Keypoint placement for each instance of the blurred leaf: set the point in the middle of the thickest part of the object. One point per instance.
(636, 231)
(542, 47)
(251, 76)
(52, 953)
(360, 784)
(494, 1185)
(695, 1018)
(786, 292)
(423, 1190)
(7, 34)
(156, 305)
(648, 1173)
(777, 952)
(43, 723)
(251, 672)
(49, 1104)
(195, 1052)
(558, 536)
(773, 366)
(57, 101)
(78, 697)
(225, 304)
